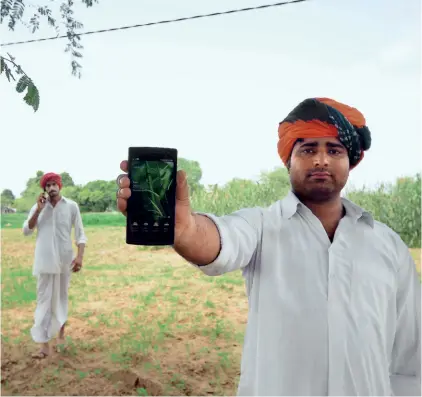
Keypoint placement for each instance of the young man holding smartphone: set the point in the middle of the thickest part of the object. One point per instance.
(334, 296)
(53, 215)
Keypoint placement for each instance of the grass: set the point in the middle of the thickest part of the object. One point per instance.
(89, 219)
(141, 322)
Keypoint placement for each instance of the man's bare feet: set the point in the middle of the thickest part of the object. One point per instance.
(60, 346)
(43, 353)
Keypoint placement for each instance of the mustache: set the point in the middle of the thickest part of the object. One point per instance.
(314, 170)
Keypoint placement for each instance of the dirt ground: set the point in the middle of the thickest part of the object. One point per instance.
(142, 323)
(148, 324)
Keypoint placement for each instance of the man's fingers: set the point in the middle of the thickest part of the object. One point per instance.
(124, 189)
(182, 190)
(124, 166)
(122, 205)
(123, 181)
(124, 193)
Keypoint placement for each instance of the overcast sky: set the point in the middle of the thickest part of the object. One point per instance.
(214, 88)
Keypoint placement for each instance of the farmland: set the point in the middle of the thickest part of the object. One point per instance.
(141, 321)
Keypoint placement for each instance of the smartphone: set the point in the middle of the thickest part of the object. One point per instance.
(151, 207)
(45, 195)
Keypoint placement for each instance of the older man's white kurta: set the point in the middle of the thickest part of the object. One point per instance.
(340, 318)
(52, 264)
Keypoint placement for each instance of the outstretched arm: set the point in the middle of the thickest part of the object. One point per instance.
(234, 238)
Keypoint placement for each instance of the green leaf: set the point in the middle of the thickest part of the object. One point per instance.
(32, 97)
(9, 73)
(22, 83)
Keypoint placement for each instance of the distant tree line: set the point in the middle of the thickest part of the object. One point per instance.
(396, 204)
(95, 196)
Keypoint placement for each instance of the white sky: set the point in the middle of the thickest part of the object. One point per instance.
(214, 88)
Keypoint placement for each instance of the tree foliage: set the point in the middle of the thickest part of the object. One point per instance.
(193, 171)
(13, 12)
(7, 197)
(398, 204)
(98, 195)
(24, 83)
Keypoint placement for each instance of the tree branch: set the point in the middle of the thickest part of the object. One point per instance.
(32, 96)
(19, 69)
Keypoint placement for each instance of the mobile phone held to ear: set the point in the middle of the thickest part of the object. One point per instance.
(45, 195)
(151, 207)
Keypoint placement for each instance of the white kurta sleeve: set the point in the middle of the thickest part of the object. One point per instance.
(26, 230)
(406, 356)
(80, 237)
(239, 236)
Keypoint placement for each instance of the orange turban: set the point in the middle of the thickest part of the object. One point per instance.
(51, 176)
(324, 117)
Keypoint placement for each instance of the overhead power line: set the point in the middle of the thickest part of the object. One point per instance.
(159, 22)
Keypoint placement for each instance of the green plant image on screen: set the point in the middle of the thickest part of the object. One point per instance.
(153, 181)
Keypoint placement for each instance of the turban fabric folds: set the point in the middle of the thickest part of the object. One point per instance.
(51, 176)
(321, 118)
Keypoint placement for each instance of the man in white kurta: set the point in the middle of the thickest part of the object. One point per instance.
(334, 296)
(53, 217)
(325, 318)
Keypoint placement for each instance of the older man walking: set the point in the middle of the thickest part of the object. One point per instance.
(53, 215)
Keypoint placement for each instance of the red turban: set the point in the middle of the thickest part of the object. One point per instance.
(51, 176)
(324, 117)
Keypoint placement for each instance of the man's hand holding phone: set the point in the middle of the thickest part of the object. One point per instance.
(42, 199)
(195, 237)
(184, 220)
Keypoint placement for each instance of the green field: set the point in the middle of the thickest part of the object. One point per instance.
(105, 219)
(141, 321)
(397, 204)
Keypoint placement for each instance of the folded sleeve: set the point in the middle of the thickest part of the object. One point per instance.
(239, 236)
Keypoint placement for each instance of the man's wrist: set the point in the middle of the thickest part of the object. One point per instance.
(184, 240)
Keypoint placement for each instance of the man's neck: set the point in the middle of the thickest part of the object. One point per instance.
(329, 209)
(55, 200)
(329, 213)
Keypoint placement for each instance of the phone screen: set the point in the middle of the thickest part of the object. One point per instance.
(151, 207)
